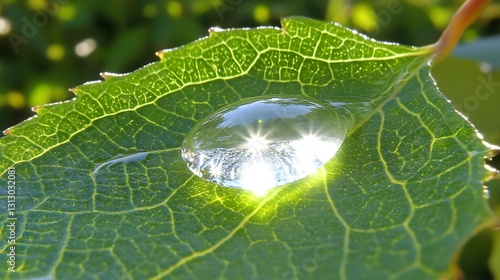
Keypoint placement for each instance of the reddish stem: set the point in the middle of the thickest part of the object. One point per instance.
(465, 16)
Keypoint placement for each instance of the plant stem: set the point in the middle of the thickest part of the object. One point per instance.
(465, 16)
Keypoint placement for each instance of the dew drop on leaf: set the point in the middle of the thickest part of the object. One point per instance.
(123, 159)
(257, 144)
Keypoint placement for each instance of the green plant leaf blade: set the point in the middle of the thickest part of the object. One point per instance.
(103, 191)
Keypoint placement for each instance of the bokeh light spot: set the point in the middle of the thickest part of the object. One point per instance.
(149, 11)
(16, 100)
(364, 17)
(44, 93)
(36, 4)
(66, 12)
(439, 16)
(174, 9)
(5, 26)
(261, 13)
(85, 47)
(55, 52)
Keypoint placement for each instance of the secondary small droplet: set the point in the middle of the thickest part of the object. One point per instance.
(258, 144)
(122, 159)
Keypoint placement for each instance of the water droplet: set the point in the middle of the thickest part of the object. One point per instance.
(258, 144)
(124, 159)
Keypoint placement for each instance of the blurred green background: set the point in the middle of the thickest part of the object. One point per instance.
(48, 46)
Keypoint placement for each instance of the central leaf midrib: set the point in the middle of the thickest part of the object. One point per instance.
(198, 254)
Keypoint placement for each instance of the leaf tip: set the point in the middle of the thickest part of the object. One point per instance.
(74, 90)
(12, 130)
(39, 109)
(160, 54)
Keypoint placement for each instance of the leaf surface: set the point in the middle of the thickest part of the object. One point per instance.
(102, 190)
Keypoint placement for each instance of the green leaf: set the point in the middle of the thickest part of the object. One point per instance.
(401, 195)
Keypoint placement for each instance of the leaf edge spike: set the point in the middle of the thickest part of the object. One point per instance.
(74, 90)
(161, 52)
(215, 29)
(494, 150)
(492, 173)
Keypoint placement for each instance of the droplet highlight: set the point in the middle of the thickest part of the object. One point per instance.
(258, 144)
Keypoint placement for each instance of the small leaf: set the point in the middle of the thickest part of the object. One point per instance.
(401, 195)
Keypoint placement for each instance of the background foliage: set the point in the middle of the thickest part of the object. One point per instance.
(127, 33)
